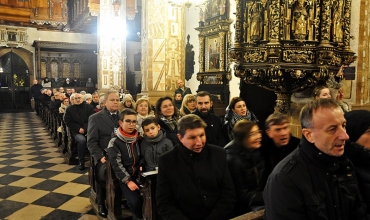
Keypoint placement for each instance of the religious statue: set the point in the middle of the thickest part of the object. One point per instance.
(255, 22)
(300, 20)
(337, 23)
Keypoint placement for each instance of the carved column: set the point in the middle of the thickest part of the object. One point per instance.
(362, 83)
(112, 45)
(326, 23)
(163, 48)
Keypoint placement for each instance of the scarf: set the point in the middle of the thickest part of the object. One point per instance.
(171, 123)
(249, 116)
(128, 138)
(156, 139)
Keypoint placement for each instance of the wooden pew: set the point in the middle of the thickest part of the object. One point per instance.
(148, 188)
(251, 216)
(114, 194)
(69, 155)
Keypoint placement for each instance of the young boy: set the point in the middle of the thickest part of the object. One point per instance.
(154, 143)
(124, 155)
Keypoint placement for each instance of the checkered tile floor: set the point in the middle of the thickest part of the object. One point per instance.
(35, 182)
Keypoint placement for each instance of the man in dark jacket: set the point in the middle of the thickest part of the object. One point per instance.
(278, 142)
(358, 149)
(316, 181)
(76, 118)
(101, 129)
(182, 89)
(214, 125)
(36, 95)
(193, 179)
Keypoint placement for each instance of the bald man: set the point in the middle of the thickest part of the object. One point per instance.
(182, 89)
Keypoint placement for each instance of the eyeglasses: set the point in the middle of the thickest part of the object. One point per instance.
(134, 122)
(255, 133)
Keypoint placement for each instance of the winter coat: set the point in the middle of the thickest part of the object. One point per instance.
(360, 158)
(214, 131)
(247, 169)
(309, 184)
(77, 116)
(194, 186)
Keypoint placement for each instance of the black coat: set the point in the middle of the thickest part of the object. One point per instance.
(309, 184)
(273, 155)
(170, 134)
(194, 186)
(247, 169)
(360, 158)
(214, 131)
(77, 116)
(36, 91)
(183, 92)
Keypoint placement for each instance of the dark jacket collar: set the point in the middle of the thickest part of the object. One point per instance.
(188, 154)
(197, 112)
(320, 159)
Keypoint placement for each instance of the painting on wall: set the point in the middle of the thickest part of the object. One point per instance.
(216, 8)
(213, 53)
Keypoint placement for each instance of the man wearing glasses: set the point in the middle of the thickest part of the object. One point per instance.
(124, 155)
(76, 118)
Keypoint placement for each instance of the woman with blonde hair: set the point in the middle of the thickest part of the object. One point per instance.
(188, 105)
(143, 110)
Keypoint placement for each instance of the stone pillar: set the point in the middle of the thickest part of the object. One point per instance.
(112, 45)
(362, 84)
(163, 48)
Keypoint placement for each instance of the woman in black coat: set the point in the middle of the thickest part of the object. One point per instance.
(247, 166)
(167, 116)
(357, 149)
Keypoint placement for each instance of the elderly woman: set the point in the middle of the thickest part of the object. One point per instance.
(167, 117)
(188, 105)
(247, 166)
(88, 98)
(143, 109)
(127, 102)
(321, 92)
(72, 98)
(101, 105)
(64, 105)
(236, 111)
(357, 149)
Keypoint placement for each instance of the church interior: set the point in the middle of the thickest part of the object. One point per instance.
(272, 53)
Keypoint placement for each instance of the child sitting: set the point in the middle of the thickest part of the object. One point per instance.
(154, 143)
(124, 155)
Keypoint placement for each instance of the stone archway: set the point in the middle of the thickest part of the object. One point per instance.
(26, 55)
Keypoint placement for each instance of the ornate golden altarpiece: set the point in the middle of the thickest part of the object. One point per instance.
(287, 46)
(214, 41)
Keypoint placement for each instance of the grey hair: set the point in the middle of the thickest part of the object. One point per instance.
(110, 92)
(307, 111)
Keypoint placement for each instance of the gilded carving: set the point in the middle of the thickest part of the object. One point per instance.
(330, 58)
(255, 22)
(326, 22)
(274, 18)
(297, 56)
(300, 21)
(337, 22)
(255, 56)
(283, 102)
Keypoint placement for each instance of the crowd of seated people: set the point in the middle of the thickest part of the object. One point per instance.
(267, 167)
